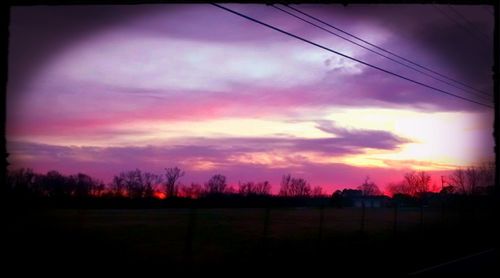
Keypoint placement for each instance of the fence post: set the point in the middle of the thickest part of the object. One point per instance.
(395, 225)
(189, 237)
(442, 213)
(265, 232)
(421, 228)
(320, 228)
(363, 214)
(422, 217)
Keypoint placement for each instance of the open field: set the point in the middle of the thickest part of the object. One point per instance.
(203, 239)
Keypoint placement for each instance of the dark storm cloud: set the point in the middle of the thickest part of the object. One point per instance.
(423, 34)
(38, 33)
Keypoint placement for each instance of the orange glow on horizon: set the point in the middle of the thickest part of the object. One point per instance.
(160, 195)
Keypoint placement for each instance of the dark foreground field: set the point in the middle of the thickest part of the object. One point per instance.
(246, 241)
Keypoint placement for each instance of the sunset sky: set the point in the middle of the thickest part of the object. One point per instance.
(102, 89)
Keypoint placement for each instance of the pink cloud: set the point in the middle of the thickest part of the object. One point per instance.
(70, 86)
(103, 162)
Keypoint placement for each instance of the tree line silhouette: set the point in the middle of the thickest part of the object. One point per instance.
(25, 184)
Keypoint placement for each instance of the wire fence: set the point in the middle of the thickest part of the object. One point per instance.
(194, 237)
(214, 234)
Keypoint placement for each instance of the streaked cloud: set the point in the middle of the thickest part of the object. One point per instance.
(115, 87)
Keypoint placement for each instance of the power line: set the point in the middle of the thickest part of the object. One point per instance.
(454, 20)
(470, 24)
(482, 42)
(487, 9)
(380, 54)
(346, 56)
(388, 51)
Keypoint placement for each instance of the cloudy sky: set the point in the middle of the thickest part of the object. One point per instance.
(102, 89)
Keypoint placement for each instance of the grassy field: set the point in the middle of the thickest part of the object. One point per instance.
(204, 239)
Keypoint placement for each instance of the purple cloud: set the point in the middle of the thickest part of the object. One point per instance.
(434, 40)
(95, 69)
(376, 139)
(104, 162)
(217, 151)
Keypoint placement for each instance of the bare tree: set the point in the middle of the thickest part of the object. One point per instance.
(488, 171)
(246, 188)
(369, 188)
(411, 182)
(216, 185)
(459, 180)
(192, 191)
(414, 184)
(300, 187)
(318, 191)
(417, 182)
(423, 184)
(117, 186)
(172, 176)
(450, 189)
(286, 182)
(263, 188)
(230, 190)
(84, 185)
(133, 183)
(150, 181)
(398, 188)
(294, 187)
(55, 185)
(23, 182)
(253, 189)
(473, 179)
(99, 189)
